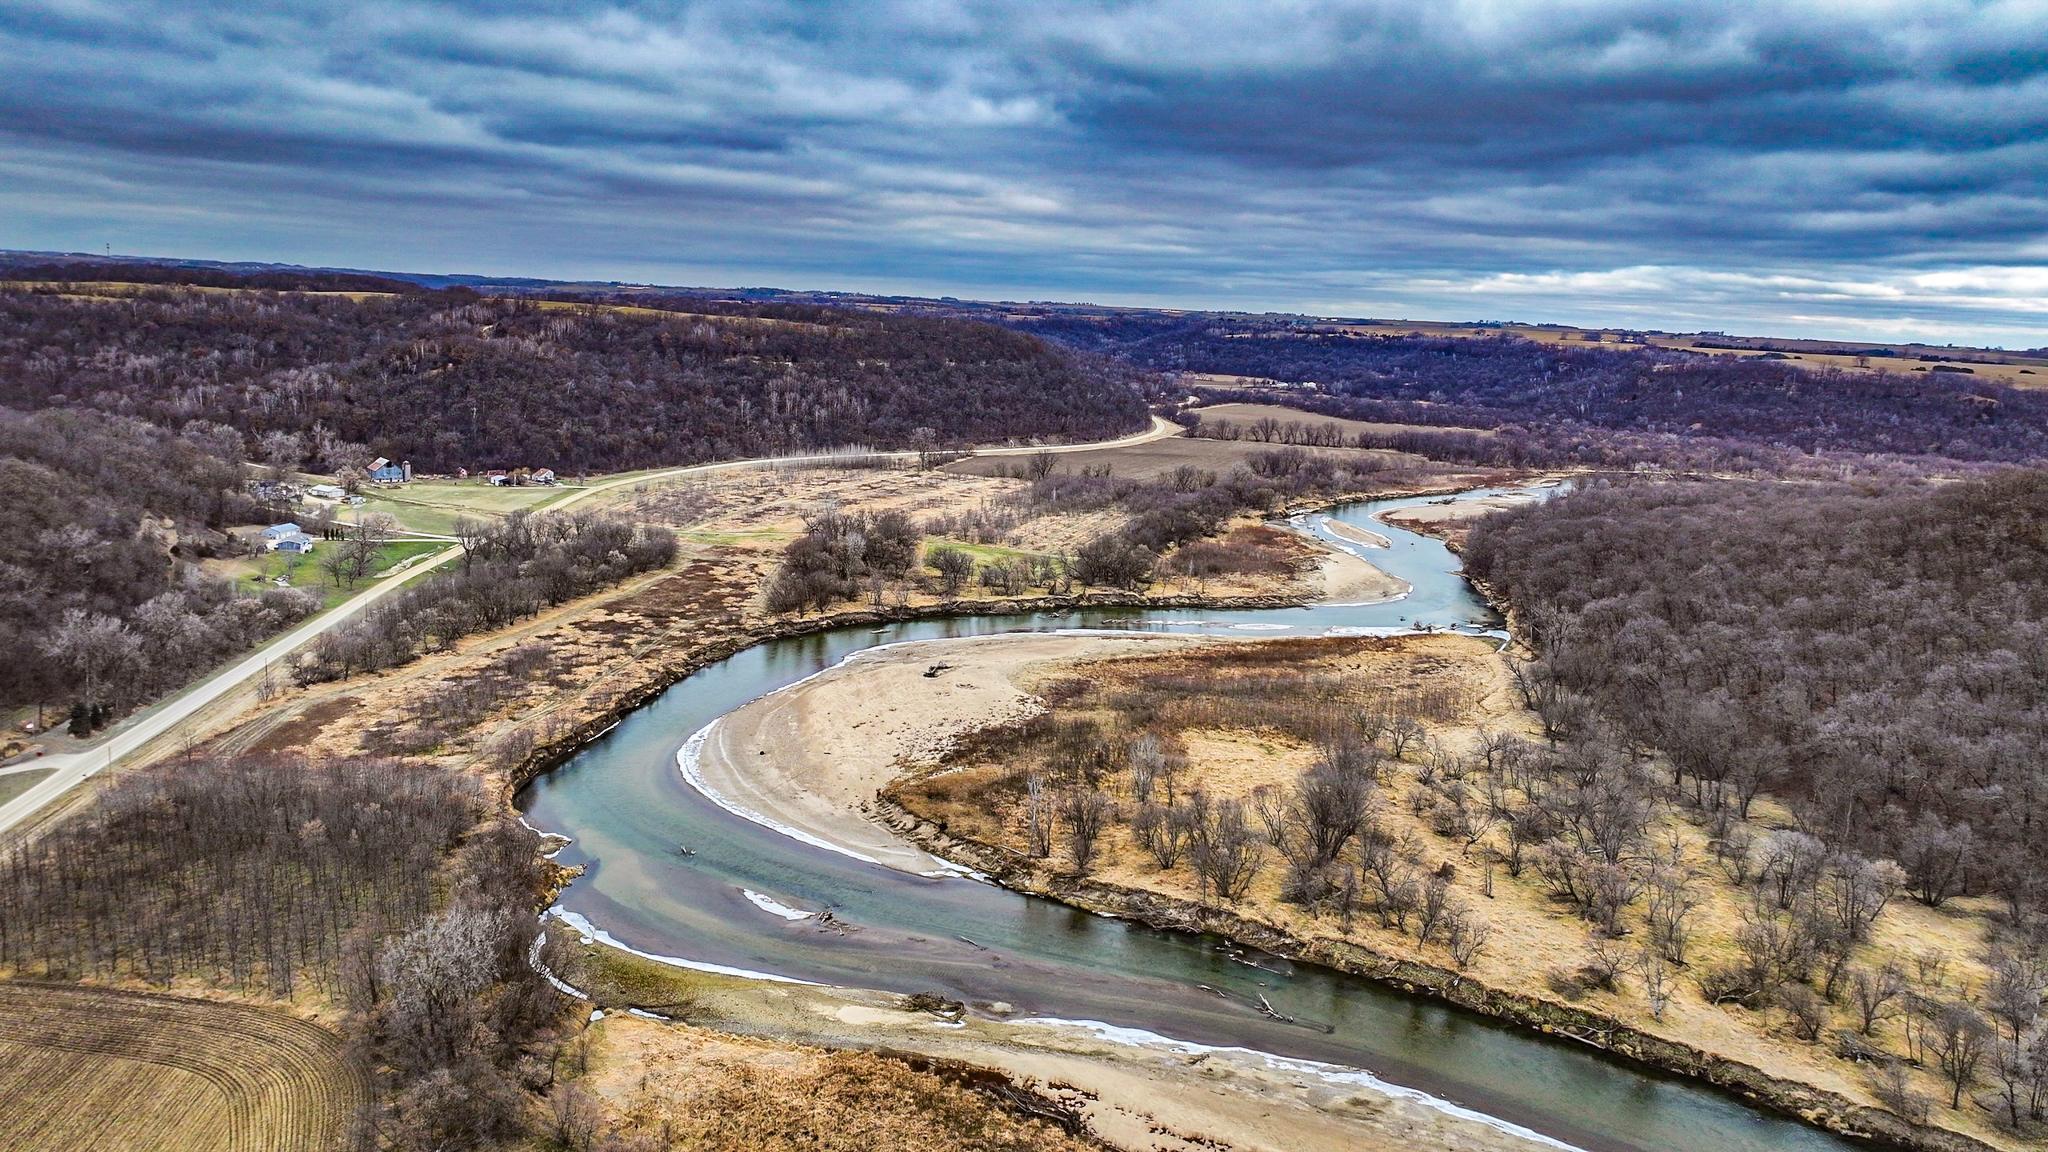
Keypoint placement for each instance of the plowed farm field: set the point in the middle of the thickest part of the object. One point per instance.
(84, 1068)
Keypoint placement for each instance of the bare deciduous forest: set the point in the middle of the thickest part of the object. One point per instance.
(1586, 405)
(102, 517)
(1876, 653)
(451, 379)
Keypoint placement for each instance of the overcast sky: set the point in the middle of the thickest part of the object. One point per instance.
(1832, 168)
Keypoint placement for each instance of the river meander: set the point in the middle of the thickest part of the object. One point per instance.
(627, 808)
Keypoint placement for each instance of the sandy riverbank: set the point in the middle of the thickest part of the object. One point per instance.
(1342, 577)
(1357, 535)
(1136, 1096)
(1453, 521)
(813, 757)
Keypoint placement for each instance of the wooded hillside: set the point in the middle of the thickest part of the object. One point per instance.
(101, 516)
(1591, 404)
(451, 379)
(1874, 653)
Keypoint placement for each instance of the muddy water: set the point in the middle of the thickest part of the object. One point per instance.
(629, 811)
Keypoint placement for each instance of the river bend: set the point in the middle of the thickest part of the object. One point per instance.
(626, 807)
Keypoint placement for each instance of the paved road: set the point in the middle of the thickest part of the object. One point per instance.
(72, 768)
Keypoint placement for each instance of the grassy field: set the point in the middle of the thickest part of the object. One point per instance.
(984, 554)
(1248, 413)
(308, 575)
(1149, 460)
(13, 784)
(84, 1068)
(434, 506)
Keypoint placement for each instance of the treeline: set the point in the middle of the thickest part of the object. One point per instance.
(133, 272)
(1874, 653)
(99, 596)
(511, 570)
(1566, 401)
(448, 379)
(1461, 445)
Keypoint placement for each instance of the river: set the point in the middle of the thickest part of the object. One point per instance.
(626, 807)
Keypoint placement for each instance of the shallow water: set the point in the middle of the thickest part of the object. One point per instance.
(625, 804)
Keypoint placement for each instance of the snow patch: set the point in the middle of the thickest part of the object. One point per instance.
(561, 840)
(561, 985)
(774, 907)
(590, 931)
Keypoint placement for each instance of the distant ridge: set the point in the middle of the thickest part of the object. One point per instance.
(13, 262)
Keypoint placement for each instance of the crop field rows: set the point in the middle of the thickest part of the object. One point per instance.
(84, 1068)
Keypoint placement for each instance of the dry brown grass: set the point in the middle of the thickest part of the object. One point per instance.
(85, 1068)
(1157, 458)
(1245, 414)
(711, 1092)
(1233, 748)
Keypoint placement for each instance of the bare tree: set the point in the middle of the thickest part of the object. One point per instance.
(1673, 897)
(1654, 967)
(1875, 994)
(1934, 855)
(1334, 797)
(1855, 891)
(1160, 832)
(1806, 1010)
(1467, 935)
(473, 535)
(1892, 1084)
(434, 975)
(2013, 996)
(1958, 1038)
(574, 1117)
(1038, 815)
(1146, 758)
(1436, 902)
(954, 566)
(1084, 811)
(1226, 852)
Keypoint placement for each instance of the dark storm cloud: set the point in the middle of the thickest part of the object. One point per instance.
(1826, 167)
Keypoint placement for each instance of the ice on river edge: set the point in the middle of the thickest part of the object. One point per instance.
(1329, 1073)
